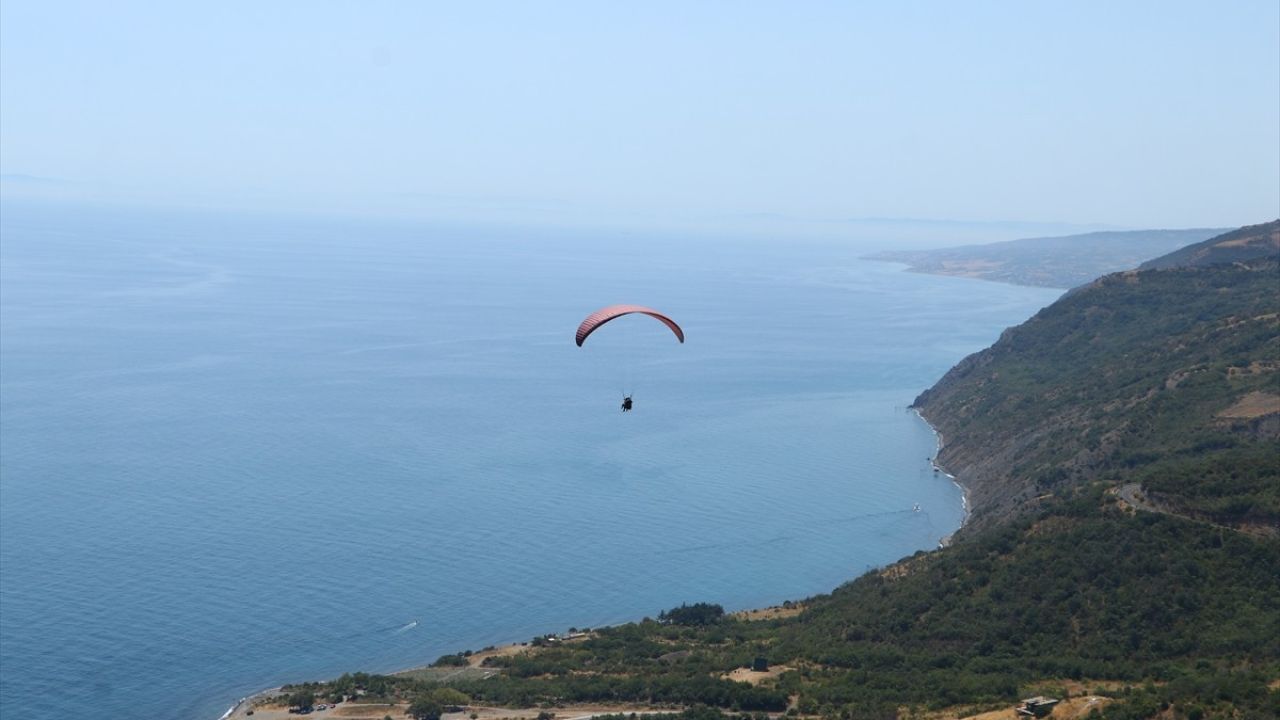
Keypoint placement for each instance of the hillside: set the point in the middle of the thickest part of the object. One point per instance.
(1133, 613)
(1248, 243)
(1061, 262)
(1123, 450)
(1154, 375)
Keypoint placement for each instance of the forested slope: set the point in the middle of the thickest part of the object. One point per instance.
(1163, 601)
(1248, 243)
(1140, 374)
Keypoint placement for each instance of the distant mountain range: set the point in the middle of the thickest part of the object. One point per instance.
(1062, 262)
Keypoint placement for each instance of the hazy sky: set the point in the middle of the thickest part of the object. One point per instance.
(1125, 113)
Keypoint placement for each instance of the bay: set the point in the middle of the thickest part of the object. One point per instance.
(238, 451)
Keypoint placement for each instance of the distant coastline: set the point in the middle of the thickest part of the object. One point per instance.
(1053, 262)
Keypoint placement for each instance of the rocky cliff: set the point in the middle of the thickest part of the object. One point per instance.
(1115, 381)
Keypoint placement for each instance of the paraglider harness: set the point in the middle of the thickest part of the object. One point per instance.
(626, 403)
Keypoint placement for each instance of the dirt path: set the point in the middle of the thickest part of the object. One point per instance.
(1133, 496)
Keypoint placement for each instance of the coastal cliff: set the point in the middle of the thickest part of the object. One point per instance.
(1117, 380)
(1122, 450)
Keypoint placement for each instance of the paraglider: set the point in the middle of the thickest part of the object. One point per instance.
(612, 312)
(604, 315)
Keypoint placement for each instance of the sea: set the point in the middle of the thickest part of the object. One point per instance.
(242, 450)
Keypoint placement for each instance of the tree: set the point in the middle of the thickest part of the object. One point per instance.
(695, 614)
(425, 708)
(450, 697)
(302, 699)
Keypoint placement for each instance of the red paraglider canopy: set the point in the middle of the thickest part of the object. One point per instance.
(604, 315)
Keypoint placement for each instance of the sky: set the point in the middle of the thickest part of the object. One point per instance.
(1110, 114)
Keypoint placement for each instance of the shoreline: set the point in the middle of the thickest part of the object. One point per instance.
(964, 489)
(246, 703)
(240, 709)
(584, 711)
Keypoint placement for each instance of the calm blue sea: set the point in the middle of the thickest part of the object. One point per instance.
(241, 451)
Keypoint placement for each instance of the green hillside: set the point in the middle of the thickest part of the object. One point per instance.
(1146, 610)
(1248, 243)
(1123, 452)
(1141, 374)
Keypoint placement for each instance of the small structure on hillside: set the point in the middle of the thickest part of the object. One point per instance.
(1038, 706)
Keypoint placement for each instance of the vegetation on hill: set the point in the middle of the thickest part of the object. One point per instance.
(1131, 376)
(1061, 262)
(1248, 243)
(1166, 602)
(1149, 609)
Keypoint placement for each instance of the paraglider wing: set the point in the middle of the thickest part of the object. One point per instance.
(604, 315)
